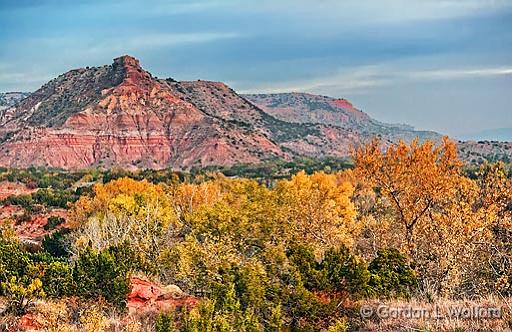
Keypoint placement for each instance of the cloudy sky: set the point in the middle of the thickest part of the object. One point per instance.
(444, 65)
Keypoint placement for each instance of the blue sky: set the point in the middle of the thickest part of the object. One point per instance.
(444, 65)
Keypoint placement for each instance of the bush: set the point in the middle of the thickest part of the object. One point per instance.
(53, 222)
(56, 198)
(19, 296)
(14, 261)
(58, 279)
(303, 259)
(345, 271)
(98, 274)
(57, 244)
(164, 322)
(390, 275)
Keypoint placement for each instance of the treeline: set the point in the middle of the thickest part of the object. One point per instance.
(39, 177)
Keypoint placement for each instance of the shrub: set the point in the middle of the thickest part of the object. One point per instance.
(14, 261)
(58, 279)
(390, 274)
(303, 259)
(57, 244)
(56, 198)
(20, 297)
(339, 325)
(53, 222)
(164, 322)
(345, 271)
(98, 274)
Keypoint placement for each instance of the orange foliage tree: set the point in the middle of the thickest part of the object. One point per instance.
(432, 204)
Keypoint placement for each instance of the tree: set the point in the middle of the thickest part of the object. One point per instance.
(432, 204)
(318, 210)
(390, 275)
(100, 274)
(20, 297)
(126, 211)
(414, 178)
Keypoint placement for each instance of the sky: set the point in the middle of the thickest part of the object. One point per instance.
(442, 65)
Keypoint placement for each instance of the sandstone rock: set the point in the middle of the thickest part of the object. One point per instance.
(148, 296)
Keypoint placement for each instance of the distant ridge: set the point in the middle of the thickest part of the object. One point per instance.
(498, 134)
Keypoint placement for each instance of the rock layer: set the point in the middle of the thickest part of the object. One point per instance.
(122, 115)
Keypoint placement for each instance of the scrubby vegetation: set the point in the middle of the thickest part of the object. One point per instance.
(300, 253)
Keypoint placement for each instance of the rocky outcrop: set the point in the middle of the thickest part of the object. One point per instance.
(122, 115)
(148, 296)
(315, 109)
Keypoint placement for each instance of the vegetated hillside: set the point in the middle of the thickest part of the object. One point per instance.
(310, 108)
(121, 115)
(476, 152)
(9, 99)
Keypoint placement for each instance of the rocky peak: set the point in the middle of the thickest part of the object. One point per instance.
(127, 61)
(135, 78)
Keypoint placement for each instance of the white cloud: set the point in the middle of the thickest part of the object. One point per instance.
(363, 78)
(147, 41)
(453, 74)
(356, 79)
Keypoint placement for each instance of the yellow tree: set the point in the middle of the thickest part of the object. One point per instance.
(188, 197)
(412, 177)
(231, 225)
(125, 211)
(317, 209)
(449, 241)
(496, 190)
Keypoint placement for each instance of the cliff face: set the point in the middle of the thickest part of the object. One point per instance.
(121, 115)
(309, 108)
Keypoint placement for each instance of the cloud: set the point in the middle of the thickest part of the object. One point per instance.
(453, 74)
(361, 79)
(378, 11)
(355, 79)
(145, 41)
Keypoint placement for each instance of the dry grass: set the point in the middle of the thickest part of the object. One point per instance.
(490, 314)
(68, 315)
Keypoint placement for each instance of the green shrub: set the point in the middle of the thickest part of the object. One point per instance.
(20, 296)
(303, 259)
(345, 271)
(57, 244)
(53, 222)
(58, 279)
(98, 274)
(14, 261)
(55, 198)
(390, 275)
(164, 322)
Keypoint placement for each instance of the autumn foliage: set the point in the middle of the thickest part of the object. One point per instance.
(408, 221)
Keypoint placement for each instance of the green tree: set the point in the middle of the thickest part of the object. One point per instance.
(390, 275)
(98, 274)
